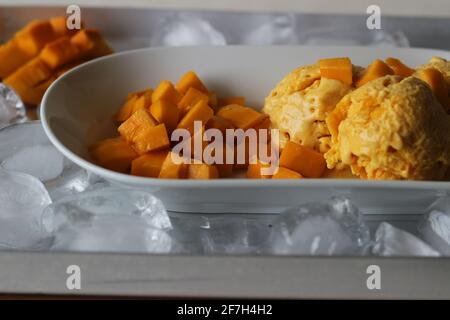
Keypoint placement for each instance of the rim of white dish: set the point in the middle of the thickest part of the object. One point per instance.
(224, 182)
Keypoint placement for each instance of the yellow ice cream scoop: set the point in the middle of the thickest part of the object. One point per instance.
(390, 128)
(299, 104)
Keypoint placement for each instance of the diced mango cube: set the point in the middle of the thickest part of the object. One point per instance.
(375, 70)
(399, 67)
(231, 100)
(200, 112)
(307, 162)
(165, 112)
(190, 99)
(219, 123)
(166, 91)
(35, 36)
(284, 173)
(241, 117)
(29, 75)
(11, 57)
(59, 52)
(213, 100)
(438, 85)
(136, 100)
(114, 154)
(174, 167)
(143, 101)
(254, 170)
(91, 43)
(190, 80)
(143, 134)
(338, 69)
(202, 171)
(149, 164)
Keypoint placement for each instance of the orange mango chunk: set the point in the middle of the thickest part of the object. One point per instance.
(305, 161)
(438, 85)
(135, 100)
(34, 36)
(165, 112)
(202, 171)
(338, 69)
(149, 164)
(219, 123)
(59, 52)
(375, 70)
(190, 80)
(284, 173)
(190, 99)
(143, 100)
(400, 69)
(241, 117)
(254, 170)
(59, 25)
(143, 134)
(11, 57)
(174, 167)
(213, 100)
(29, 75)
(33, 96)
(200, 112)
(91, 43)
(166, 91)
(231, 100)
(114, 154)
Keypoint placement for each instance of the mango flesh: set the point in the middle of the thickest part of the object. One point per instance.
(143, 133)
(174, 167)
(241, 117)
(202, 171)
(231, 100)
(165, 112)
(190, 80)
(200, 112)
(338, 69)
(35, 36)
(114, 154)
(284, 173)
(90, 43)
(438, 85)
(166, 91)
(59, 52)
(399, 67)
(300, 159)
(149, 164)
(11, 57)
(190, 99)
(254, 171)
(375, 70)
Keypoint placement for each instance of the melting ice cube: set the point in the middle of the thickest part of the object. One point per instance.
(22, 199)
(391, 241)
(332, 228)
(12, 110)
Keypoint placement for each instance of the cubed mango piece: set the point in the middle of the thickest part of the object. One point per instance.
(190, 99)
(400, 69)
(114, 154)
(135, 100)
(149, 164)
(219, 123)
(375, 70)
(143, 133)
(284, 173)
(202, 171)
(213, 100)
(438, 85)
(12, 57)
(33, 96)
(231, 100)
(59, 52)
(29, 75)
(254, 170)
(338, 69)
(91, 43)
(174, 167)
(241, 117)
(34, 36)
(190, 80)
(166, 91)
(165, 112)
(200, 112)
(307, 162)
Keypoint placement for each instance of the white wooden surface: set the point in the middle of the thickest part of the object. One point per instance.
(438, 8)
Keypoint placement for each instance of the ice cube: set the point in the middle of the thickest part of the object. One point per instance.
(22, 201)
(25, 148)
(332, 228)
(109, 220)
(434, 228)
(184, 29)
(12, 109)
(278, 30)
(44, 162)
(391, 241)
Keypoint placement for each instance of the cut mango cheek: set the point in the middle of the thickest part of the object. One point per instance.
(114, 154)
(11, 57)
(59, 52)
